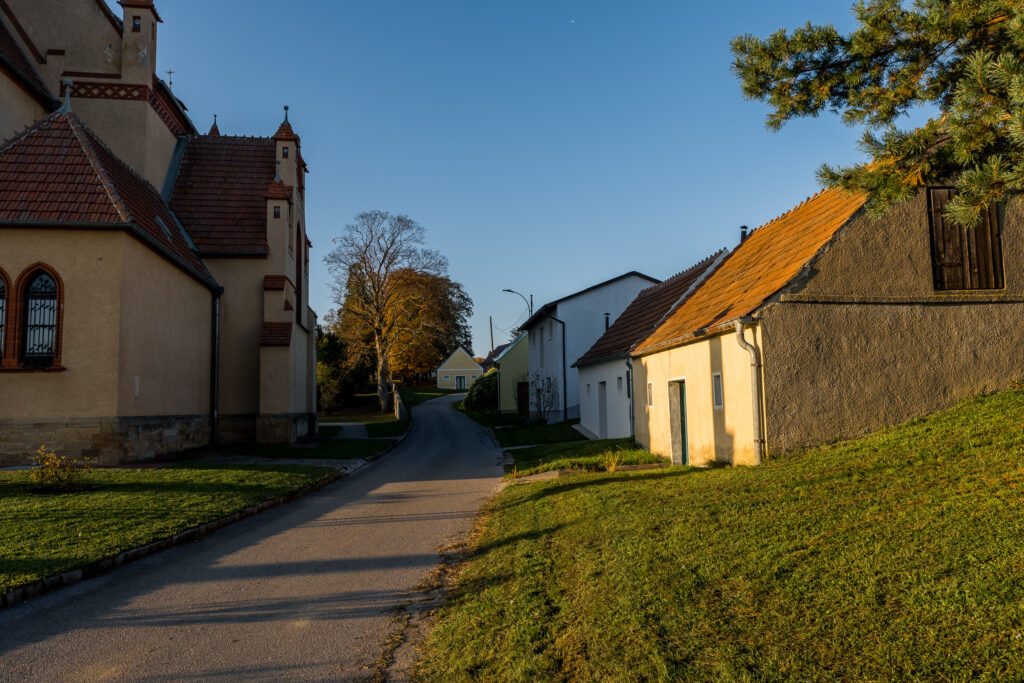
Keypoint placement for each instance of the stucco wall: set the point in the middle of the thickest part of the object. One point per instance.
(241, 320)
(165, 337)
(19, 109)
(514, 366)
(613, 374)
(713, 435)
(863, 341)
(89, 264)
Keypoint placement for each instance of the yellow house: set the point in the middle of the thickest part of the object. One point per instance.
(513, 365)
(153, 281)
(459, 371)
(829, 323)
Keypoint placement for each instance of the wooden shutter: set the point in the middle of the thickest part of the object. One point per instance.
(964, 258)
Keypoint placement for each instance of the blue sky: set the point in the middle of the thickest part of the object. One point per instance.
(545, 145)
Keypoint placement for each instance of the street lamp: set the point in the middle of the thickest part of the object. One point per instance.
(529, 304)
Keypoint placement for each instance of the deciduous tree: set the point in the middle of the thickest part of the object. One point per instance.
(961, 59)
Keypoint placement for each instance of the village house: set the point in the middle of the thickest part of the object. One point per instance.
(459, 371)
(562, 330)
(153, 281)
(513, 364)
(829, 323)
(606, 369)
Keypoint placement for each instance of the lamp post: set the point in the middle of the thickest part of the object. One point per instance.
(529, 304)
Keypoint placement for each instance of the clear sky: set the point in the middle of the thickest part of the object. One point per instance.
(545, 145)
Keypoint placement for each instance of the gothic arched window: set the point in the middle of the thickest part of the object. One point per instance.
(39, 335)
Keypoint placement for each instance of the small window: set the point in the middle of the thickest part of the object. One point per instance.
(650, 394)
(284, 152)
(618, 383)
(472, 376)
(588, 390)
(39, 346)
(447, 377)
(629, 384)
(277, 212)
(551, 330)
(136, 24)
(542, 354)
(716, 391)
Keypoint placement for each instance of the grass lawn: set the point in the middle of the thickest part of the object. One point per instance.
(487, 419)
(586, 456)
(529, 434)
(897, 556)
(390, 428)
(363, 408)
(42, 535)
(413, 395)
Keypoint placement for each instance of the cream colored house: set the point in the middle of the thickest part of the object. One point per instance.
(153, 281)
(827, 323)
(459, 371)
(513, 364)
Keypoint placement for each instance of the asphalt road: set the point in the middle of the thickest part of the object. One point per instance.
(304, 591)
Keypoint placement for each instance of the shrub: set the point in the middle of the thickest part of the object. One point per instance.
(54, 472)
(483, 395)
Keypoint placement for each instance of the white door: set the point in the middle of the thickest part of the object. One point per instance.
(460, 381)
(602, 410)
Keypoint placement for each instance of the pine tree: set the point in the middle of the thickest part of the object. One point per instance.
(963, 59)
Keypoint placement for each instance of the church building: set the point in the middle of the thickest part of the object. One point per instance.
(153, 280)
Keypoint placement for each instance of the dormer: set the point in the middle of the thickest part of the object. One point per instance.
(138, 41)
(288, 144)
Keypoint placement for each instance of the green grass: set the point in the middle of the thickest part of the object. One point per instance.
(897, 556)
(41, 535)
(362, 408)
(530, 434)
(330, 448)
(487, 419)
(390, 428)
(586, 456)
(413, 395)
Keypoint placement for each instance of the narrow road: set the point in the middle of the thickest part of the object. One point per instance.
(303, 591)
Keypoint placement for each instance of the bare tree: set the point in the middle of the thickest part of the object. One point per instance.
(545, 394)
(365, 263)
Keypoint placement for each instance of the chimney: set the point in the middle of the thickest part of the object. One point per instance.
(743, 233)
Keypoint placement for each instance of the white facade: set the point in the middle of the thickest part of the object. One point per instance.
(605, 390)
(584, 316)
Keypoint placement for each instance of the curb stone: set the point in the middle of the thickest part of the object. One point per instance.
(106, 564)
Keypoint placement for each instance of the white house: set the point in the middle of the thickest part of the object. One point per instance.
(605, 370)
(562, 330)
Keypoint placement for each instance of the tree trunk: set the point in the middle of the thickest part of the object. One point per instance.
(382, 376)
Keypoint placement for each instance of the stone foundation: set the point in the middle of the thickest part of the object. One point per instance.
(106, 440)
(287, 428)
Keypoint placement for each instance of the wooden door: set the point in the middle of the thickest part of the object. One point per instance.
(523, 398)
(460, 381)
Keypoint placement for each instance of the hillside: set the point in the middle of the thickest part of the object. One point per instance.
(897, 555)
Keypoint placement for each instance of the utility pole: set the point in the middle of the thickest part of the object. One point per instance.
(490, 319)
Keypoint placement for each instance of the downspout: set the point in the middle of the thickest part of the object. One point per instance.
(632, 397)
(215, 367)
(565, 389)
(755, 385)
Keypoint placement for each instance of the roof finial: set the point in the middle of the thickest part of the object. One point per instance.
(286, 113)
(214, 130)
(68, 85)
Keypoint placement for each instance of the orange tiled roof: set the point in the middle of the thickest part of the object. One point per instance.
(58, 172)
(762, 265)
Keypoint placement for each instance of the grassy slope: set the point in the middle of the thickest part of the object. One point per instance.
(589, 456)
(390, 428)
(42, 535)
(527, 435)
(413, 395)
(894, 556)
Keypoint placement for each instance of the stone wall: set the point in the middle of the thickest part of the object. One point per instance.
(107, 441)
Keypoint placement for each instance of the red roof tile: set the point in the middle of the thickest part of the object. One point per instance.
(17, 63)
(275, 282)
(219, 193)
(649, 308)
(58, 171)
(278, 190)
(762, 265)
(276, 334)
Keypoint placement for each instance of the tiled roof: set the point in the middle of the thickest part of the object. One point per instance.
(276, 334)
(758, 268)
(275, 282)
(15, 60)
(649, 308)
(58, 171)
(285, 132)
(219, 192)
(278, 190)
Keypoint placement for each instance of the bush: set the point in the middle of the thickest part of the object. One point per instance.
(54, 472)
(483, 395)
